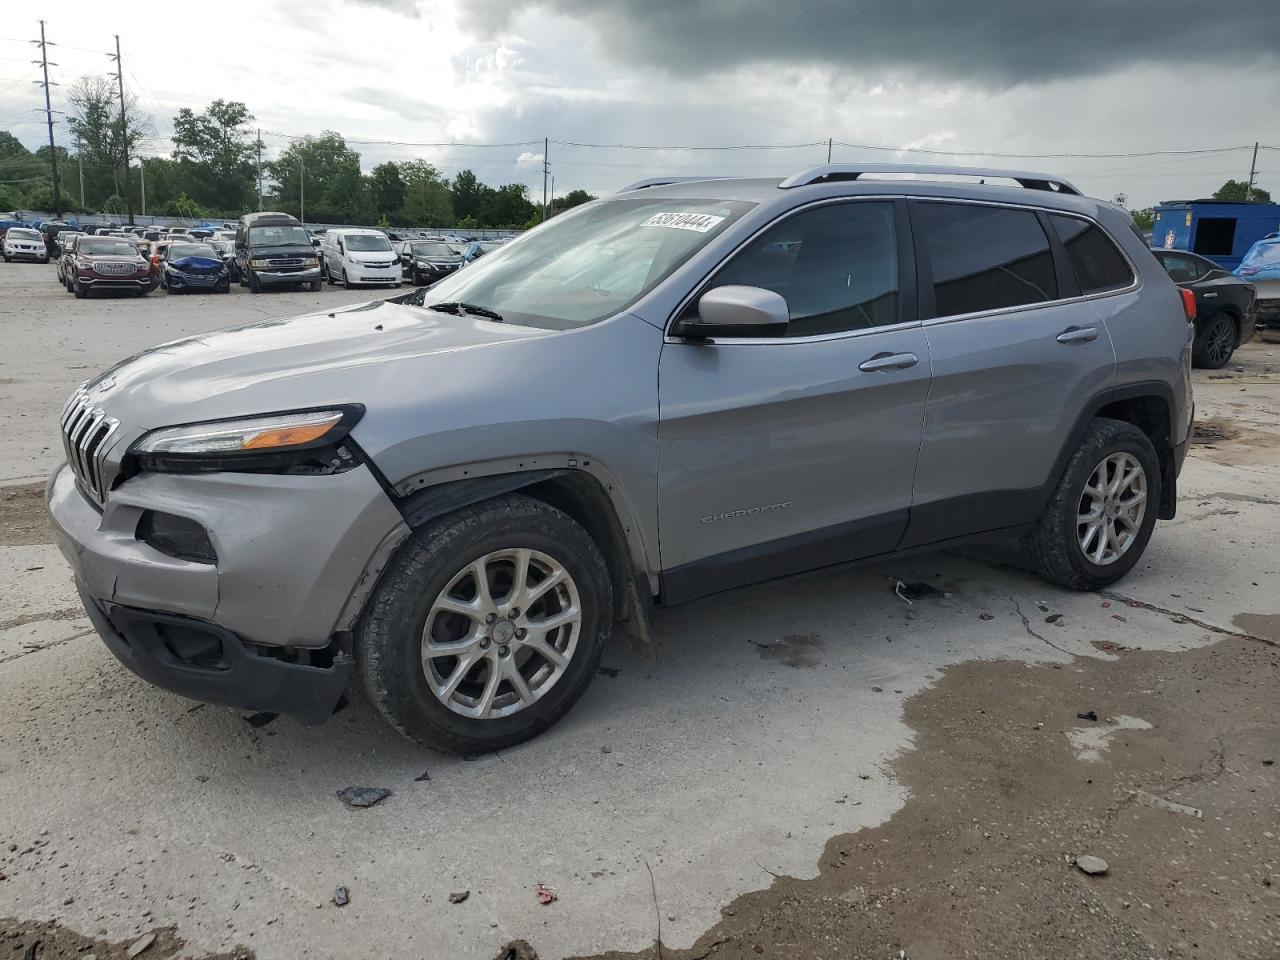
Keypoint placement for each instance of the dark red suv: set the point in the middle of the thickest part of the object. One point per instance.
(107, 263)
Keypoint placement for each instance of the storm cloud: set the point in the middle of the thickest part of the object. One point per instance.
(994, 42)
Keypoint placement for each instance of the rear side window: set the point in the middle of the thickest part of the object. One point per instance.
(1097, 263)
(985, 258)
(836, 266)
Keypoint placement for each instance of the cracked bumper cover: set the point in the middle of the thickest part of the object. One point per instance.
(291, 550)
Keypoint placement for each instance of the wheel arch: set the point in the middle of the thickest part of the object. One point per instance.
(1149, 407)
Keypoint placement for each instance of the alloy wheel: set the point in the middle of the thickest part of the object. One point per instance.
(1218, 349)
(1112, 508)
(501, 633)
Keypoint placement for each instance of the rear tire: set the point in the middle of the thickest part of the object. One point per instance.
(437, 563)
(1215, 341)
(1269, 335)
(1056, 548)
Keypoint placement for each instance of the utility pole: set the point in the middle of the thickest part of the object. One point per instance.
(302, 188)
(546, 172)
(124, 130)
(80, 163)
(259, 169)
(1253, 172)
(48, 114)
(829, 139)
(142, 180)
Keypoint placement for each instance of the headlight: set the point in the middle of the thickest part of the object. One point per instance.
(307, 439)
(258, 264)
(310, 261)
(423, 264)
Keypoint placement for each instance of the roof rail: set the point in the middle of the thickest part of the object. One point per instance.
(833, 172)
(662, 182)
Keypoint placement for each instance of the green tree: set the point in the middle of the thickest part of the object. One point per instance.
(94, 119)
(221, 156)
(427, 198)
(1236, 189)
(469, 196)
(11, 146)
(386, 190)
(319, 163)
(1144, 218)
(508, 206)
(573, 198)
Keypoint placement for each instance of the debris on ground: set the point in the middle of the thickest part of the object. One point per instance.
(517, 950)
(911, 592)
(141, 945)
(424, 776)
(341, 897)
(1053, 618)
(359, 797)
(1116, 616)
(545, 894)
(1094, 866)
(259, 720)
(986, 616)
(610, 672)
(1091, 715)
(458, 896)
(1160, 803)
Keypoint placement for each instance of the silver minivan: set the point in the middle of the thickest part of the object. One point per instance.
(453, 498)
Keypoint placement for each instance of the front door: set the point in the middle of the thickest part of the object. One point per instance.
(782, 454)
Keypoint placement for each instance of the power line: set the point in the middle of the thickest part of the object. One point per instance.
(48, 113)
(1043, 156)
(407, 143)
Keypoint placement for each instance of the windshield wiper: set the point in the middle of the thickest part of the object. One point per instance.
(458, 308)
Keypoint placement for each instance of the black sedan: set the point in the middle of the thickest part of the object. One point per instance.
(426, 261)
(1226, 306)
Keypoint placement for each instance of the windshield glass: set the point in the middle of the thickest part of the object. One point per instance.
(106, 247)
(590, 263)
(280, 235)
(179, 250)
(432, 248)
(17, 233)
(366, 241)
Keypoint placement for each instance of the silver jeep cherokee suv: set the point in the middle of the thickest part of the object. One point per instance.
(681, 389)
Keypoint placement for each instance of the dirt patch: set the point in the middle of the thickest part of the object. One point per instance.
(980, 861)
(1265, 625)
(793, 650)
(22, 516)
(1232, 444)
(51, 941)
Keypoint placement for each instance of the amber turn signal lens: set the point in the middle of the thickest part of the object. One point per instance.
(286, 436)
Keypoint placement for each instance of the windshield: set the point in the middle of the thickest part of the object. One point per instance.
(590, 263)
(366, 241)
(179, 250)
(106, 247)
(280, 235)
(433, 249)
(17, 233)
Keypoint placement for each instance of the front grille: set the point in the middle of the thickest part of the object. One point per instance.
(85, 431)
(114, 269)
(285, 262)
(380, 266)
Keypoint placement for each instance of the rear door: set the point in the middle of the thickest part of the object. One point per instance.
(1018, 350)
(782, 454)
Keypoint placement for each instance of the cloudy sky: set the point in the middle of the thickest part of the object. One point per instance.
(962, 79)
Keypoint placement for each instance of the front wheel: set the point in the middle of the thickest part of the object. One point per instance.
(78, 290)
(1101, 515)
(255, 285)
(1214, 343)
(487, 626)
(314, 286)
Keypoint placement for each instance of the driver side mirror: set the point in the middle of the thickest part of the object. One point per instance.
(737, 311)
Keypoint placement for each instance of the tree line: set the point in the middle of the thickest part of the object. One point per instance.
(213, 172)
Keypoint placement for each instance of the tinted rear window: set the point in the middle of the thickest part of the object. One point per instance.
(1098, 264)
(986, 258)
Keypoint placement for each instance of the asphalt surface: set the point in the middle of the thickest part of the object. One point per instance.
(770, 721)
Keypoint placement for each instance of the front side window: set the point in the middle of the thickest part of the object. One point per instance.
(835, 265)
(985, 258)
(591, 262)
(367, 242)
(1097, 263)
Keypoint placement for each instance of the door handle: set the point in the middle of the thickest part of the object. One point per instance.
(1210, 296)
(884, 362)
(1078, 335)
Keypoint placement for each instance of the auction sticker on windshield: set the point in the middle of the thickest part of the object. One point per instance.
(697, 222)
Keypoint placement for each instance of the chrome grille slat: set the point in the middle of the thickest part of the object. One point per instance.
(86, 430)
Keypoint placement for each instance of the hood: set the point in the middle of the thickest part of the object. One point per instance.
(341, 356)
(1262, 262)
(196, 263)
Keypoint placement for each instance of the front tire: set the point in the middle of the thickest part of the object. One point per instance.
(314, 286)
(471, 665)
(1101, 515)
(1215, 342)
(255, 285)
(78, 290)
(345, 284)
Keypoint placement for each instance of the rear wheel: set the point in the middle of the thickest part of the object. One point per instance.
(1100, 518)
(1270, 335)
(487, 626)
(1215, 342)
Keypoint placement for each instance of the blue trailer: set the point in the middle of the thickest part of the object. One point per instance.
(1222, 230)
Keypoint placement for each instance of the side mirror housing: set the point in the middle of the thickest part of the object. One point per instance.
(737, 311)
